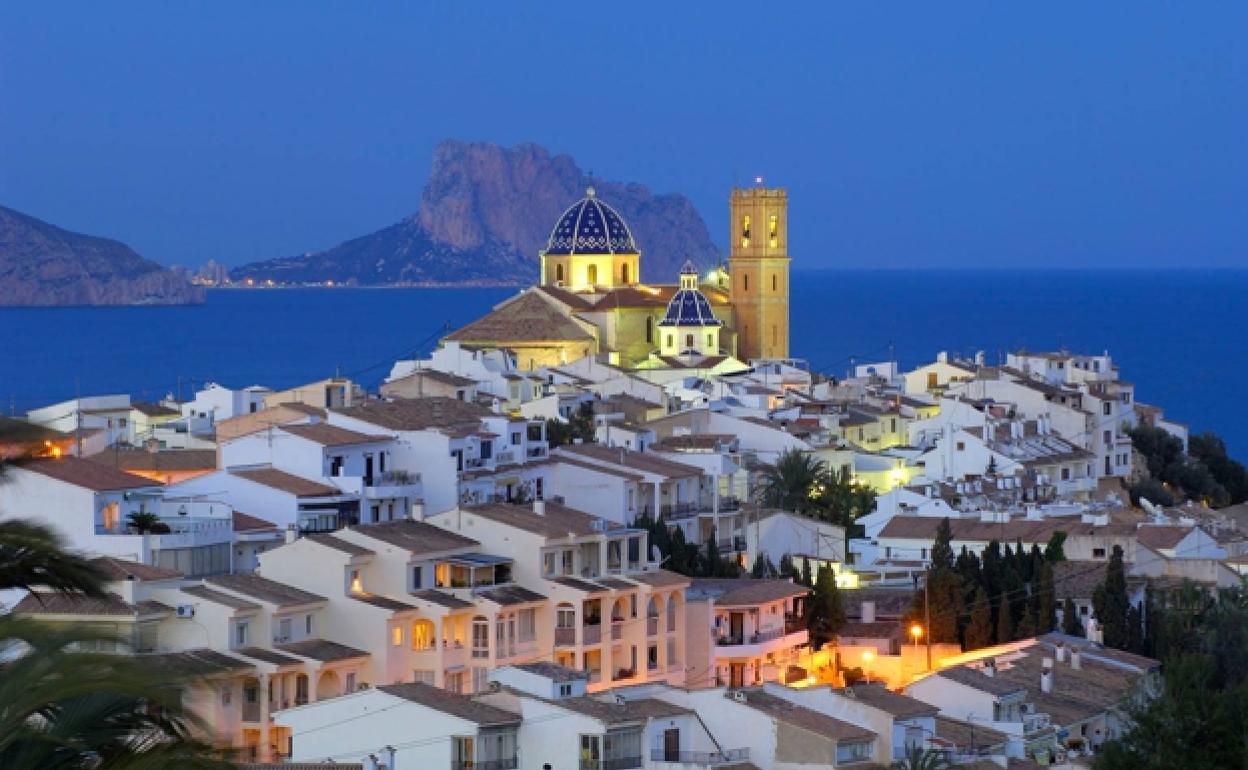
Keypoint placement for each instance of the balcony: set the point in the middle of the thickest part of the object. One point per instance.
(768, 640)
(731, 544)
(536, 452)
(593, 634)
(251, 712)
(652, 626)
(700, 758)
(565, 637)
(728, 503)
(621, 763)
(617, 629)
(679, 511)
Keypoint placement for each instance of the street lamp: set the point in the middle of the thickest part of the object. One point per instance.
(916, 631)
(867, 657)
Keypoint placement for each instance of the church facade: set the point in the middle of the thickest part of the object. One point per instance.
(590, 299)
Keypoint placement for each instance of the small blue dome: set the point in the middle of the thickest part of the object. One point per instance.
(590, 226)
(689, 307)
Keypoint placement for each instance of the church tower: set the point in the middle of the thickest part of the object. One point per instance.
(758, 263)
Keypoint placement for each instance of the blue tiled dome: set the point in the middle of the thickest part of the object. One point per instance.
(689, 306)
(590, 226)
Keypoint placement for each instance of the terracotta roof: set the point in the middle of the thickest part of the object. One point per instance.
(961, 734)
(382, 602)
(268, 656)
(580, 585)
(525, 318)
(138, 459)
(88, 474)
(552, 671)
(594, 468)
(744, 592)
(330, 540)
(49, 603)
(1164, 537)
(693, 441)
(245, 522)
(612, 713)
(220, 597)
(558, 521)
(322, 649)
(804, 718)
(286, 482)
(975, 679)
(199, 662)
(152, 409)
(880, 697)
(416, 537)
(446, 378)
(461, 706)
(508, 595)
(638, 461)
(121, 569)
(1029, 531)
(332, 435)
(659, 578)
(15, 431)
(418, 413)
(265, 590)
(442, 599)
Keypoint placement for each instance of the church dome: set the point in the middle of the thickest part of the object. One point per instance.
(689, 306)
(590, 226)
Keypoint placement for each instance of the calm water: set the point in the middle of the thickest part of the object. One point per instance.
(1180, 336)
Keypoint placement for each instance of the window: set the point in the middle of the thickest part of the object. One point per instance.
(284, 629)
(591, 274)
(528, 625)
(591, 752)
(710, 340)
(1065, 474)
(745, 231)
(558, 273)
(548, 563)
(350, 683)
(480, 637)
(775, 334)
(417, 577)
(565, 691)
(688, 341)
(240, 634)
(773, 231)
(396, 636)
(1098, 553)
(487, 449)
(480, 678)
(335, 465)
(356, 585)
(775, 283)
(1108, 436)
(745, 282)
(961, 446)
(1107, 408)
(515, 438)
(649, 329)
(423, 675)
(568, 557)
(624, 273)
(565, 617)
(853, 752)
(671, 341)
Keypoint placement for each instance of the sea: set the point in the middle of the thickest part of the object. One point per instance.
(1180, 336)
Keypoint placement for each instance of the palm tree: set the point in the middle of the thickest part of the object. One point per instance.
(145, 521)
(792, 482)
(918, 758)
(63, 709)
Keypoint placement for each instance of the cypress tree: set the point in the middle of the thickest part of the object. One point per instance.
(1054, 551)
(825, 615)
(1070, 619)
(1111, 604)
(1005, 624)
(808, 579)
(979, 631)
(788, 569)
(1046, 607)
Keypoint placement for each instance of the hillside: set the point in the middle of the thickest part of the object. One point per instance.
(484, 214)
(41, 264)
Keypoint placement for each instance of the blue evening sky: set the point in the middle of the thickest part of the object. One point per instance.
(964, 134)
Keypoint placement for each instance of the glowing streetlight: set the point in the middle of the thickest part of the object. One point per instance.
(916, 631)
(867, 657)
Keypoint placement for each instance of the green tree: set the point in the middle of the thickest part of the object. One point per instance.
(1046, 603)
(788, 569)
(1054, 550)
(825, 614)
(808, 578)
(979, 632)
(1151, 490)
(144, 522)
(763, 568)
(1110, 602)
(792, 483)
(1005, 624)
(579, 425)
(919, 758)
(1210, 450)
(1070, 618)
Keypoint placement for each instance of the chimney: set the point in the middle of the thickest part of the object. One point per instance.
(942, 357)
(389, 757)
(1075, 661)
(868, 612)
(539, 507)
(990, 668)
(370, 762)
(1046, 675)
(1061, 652)
(292, 534)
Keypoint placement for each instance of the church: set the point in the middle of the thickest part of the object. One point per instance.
(590, 300)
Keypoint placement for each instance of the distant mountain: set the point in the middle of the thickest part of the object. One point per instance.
(485, 213)
(41, 264)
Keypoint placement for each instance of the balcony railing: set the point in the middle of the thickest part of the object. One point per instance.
(652, 626)
(506, 763)
(593, 635)
(535, 452)
(621, 763)
(729, 503)
(617, 630)
(565, 636)
(251, 712)
(704, 758)
(729, 544)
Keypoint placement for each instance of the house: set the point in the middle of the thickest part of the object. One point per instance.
(743, 631)
(412, 725)
(330, 393)
(163, 466)
(423, 383)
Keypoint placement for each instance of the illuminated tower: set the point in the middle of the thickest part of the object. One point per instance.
(758, 263)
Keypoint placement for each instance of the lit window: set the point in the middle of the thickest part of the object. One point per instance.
(396, 636)
(356, 585)
(773, 227)
(745, 230)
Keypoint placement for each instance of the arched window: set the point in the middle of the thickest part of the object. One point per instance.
(688, 341)
(591, 274)
(745, 230)
(772, 231)
(710, 340)
(624, 273)
(775, 283)
(745, 282)
(671, 613)
(558, 273)
(670, 341)
(649, 329)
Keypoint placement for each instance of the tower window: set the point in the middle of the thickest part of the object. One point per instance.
(745, 230)
(624, 273)
(745, 282)
(773, 226)
(591, 274)
(558, 273)
(774, 283)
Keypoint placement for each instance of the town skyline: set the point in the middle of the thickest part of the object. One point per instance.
(909, 141)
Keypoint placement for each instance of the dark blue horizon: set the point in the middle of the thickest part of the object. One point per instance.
(964, 135)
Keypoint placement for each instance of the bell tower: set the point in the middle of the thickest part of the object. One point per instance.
(758, 266)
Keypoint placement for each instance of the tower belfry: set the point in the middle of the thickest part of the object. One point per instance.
(758, 264)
